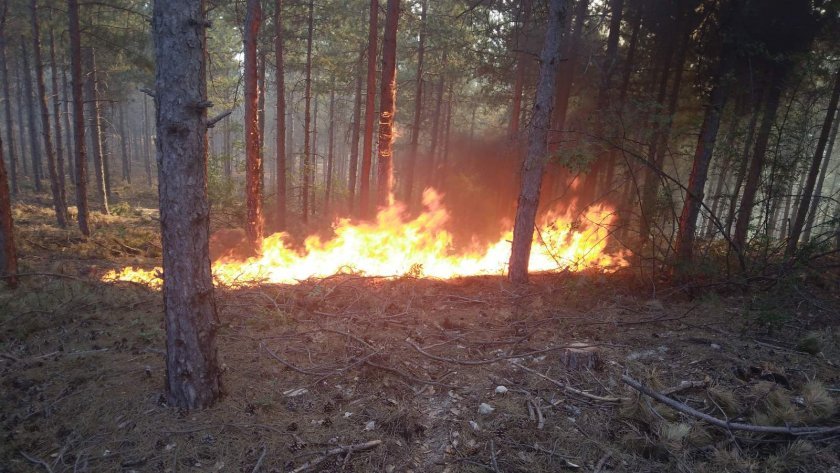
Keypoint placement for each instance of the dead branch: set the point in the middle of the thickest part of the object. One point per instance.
(568, 388)
(212, 122)
(762, 429)
(148, 92)
(490, 360)
(359, 447)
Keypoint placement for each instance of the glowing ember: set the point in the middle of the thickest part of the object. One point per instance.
(395, 245)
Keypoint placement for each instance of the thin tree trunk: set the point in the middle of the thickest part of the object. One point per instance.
(262, 88)
(67, 93)
(78, 115)
(280, 135)
(356, 134)
(193, 377)
(147, 151)
(25, 155)
(519, 68)
(10, 136)
(537, 154)
(253, 150)
(95, 130)
(815, 204)
(434, 139)
(387, 107)
(771, 106)
(307, 150)
(59, 150)
(126, 159)
(703, 153)
(8, 252)
(34, 145)
(418, 105)
(370, 113)
(741, 173)
(723, 169)
(567, 69)
(314, 174)
(813, 172)
(59, 206)
(330, 152)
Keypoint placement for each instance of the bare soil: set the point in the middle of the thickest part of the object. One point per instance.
(346, 360)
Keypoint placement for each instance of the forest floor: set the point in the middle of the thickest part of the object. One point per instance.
(458, 375)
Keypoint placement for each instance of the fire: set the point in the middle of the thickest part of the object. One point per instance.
(395, 245)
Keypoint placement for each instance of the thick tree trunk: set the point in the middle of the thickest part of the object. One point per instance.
(34, 144)
(95, 121)
(59, 150)
(537, 154)
(307, 117)
(8, 252)
(815, 204)
(387, 107)
(813, 172)
(418, 106)
(78, 115)
(703, 153)
(59, 206)
(370, 113)
(519, 68)
(280, 135)
(10, 136)
(771, 106)
(356, 134)
(193, 378)
(253, 150)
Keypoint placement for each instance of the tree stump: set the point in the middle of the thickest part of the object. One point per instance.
(580, 356)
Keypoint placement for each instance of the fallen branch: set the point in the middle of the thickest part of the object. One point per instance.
(359, 447)
(679, 406)
(259, 461)
(490, 361)
(568, 388)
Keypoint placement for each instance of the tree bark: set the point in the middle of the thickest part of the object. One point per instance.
(34, 145)
(537, 153)
(94, 118)
(387, 107)
(703, 153)
(356, 134)
(815, 204)
(771, 106)
(280, 138)
(59, 150)
(67, 93)
(418, 105)
(307, 116)
(253, 150)
(193, 378)
(370, 113)
(126, 158)
(519, 68)
(813, 172)
(147, 149)
(59, 206)
(8, 252)
(78, 115)
(10, 136)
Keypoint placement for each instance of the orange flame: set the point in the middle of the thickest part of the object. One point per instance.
(394, 245)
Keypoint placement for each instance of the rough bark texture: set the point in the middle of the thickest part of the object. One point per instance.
(10, 137)
(537, 153)
(8, 254)
(59, 206)
(95, 119)
(193, 378)
(59, 149)
(307, 117)
(771, 106)
(370, 103)
(78, 115)
(280, 136)
(356, 134)
(387, 107)
(253, 150)
(703, 153)
(813, 172)
(418, 105)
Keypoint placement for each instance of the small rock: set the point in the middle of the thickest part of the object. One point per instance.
(501, 389)
(715, 346)
(370, 425)
(474, 425)
(390, 468)
(485, 409)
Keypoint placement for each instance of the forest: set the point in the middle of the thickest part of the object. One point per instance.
(419, 235)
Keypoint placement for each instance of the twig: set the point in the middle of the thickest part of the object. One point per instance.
(679, 406)
(359, 447)
(259, 461)
(568, 388)
(37, 461)
(490, 361)
(493, 462)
